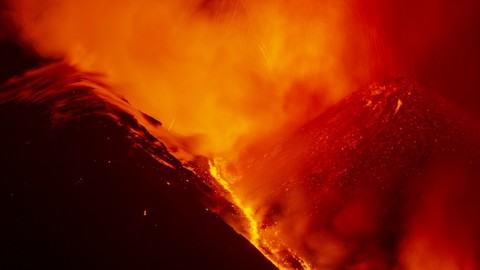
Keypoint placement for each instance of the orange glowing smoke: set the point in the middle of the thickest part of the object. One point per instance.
(444, 231)
(223, 72)
(232, 78)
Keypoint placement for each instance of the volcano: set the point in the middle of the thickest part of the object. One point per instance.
(289, 141)
(85, 186)
(385, 179)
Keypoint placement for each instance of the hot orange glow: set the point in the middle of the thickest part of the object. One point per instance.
(200, 66)
(270, 245)
(245, 83)
(339, 192)
(442, 234)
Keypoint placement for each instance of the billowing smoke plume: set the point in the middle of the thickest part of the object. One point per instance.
(227, 71)
(240, 73)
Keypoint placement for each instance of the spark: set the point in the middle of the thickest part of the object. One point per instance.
(399, 104)
(171, 124)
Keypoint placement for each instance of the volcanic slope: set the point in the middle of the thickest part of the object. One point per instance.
(387, 178)
(84, 186)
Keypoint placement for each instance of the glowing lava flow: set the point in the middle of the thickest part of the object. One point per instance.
(254, 236)
(273, 249)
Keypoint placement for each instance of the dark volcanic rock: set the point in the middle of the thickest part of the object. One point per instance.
(84, 186)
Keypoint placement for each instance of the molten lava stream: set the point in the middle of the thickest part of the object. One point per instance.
(272, 248)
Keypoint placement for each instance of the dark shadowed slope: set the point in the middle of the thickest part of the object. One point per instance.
(84, 186)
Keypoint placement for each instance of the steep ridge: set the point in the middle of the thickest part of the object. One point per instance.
(351, 188)
(84, 185)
